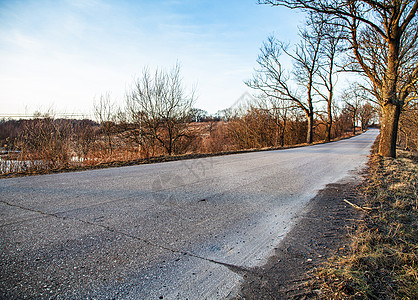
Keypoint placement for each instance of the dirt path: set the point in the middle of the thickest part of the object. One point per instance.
(321, 233)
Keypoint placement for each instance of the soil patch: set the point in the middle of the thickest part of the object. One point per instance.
(321, 233)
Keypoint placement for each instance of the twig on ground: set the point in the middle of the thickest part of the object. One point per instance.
(364, 209)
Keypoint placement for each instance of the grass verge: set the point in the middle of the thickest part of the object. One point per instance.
(383, 260)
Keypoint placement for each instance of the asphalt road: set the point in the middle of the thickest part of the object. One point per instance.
(184, 229)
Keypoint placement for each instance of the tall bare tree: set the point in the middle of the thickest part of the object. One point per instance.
(274, 82)
(353, 99)
(278, 111)
(383, 36)
(104, 112)
(162, 108)
(327, 75)
(366, 113)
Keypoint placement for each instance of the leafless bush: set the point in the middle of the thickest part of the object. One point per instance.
(217, 139)
(254, 129)
(104, 111)
(408, 137)
(84, 141)
(45, 143)
(162, 111)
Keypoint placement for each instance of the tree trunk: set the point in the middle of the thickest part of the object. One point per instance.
(354, 125)
(391, 108)
(309, 135)
(329, 123)
(283, 133)
(330, 98)
(389, 130)
(328, 133)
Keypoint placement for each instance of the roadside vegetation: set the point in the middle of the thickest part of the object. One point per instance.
(298, 98)
(383, 259)
(159, 122)
(45, 144)
(379, 43)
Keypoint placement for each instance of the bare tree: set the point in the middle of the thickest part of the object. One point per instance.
(274, 82)
(161, 108)
(104, 112)
(279, 112)
(327, 75)
(366, 113)
(353, 98)
(85, 135)
(382, 36)
(44, 142)
(199, 115)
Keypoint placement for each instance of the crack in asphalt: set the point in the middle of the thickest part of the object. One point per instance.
(234, 268)
(21, 221)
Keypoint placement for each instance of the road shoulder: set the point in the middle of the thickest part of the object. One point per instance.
(322, 232)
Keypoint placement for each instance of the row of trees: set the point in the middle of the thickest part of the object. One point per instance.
(159, 111)
(155, 121)
(159, 119)
(48, 143)
(45, 142)
(269, 122)
(378, 40)
(312, 78)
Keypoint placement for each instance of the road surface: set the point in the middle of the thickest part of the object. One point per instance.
(184, 229)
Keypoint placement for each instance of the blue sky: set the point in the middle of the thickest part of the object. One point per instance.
(64, 54)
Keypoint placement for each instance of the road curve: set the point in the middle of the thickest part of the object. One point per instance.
(175, 230)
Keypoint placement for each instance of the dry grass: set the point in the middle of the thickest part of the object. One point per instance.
(383, 260)
(125, 155)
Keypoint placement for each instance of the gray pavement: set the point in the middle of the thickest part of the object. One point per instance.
(175, 230)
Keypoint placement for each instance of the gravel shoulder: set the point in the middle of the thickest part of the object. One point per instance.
(321, 233)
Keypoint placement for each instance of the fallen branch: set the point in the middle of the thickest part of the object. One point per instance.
(356, 206)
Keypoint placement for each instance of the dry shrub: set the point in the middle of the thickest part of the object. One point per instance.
(84, 142)
(408, 124)
(217, 140)
(253, 129)
(295, 132)
(45, 143)
(258, 128)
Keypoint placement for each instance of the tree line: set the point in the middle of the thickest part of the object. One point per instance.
(379, 43)
(301, 103)
(159, 118)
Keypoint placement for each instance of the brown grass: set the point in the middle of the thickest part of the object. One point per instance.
(209, 142)
(383, 261)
